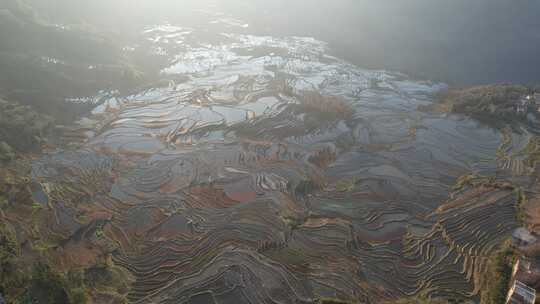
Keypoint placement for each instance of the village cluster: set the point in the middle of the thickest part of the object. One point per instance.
(525, 273)
(528, 103)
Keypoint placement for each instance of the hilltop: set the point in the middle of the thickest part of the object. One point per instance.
(496, 104)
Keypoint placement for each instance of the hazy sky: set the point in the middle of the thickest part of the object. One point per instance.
(458, 41)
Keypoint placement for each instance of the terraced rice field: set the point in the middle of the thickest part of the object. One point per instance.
(277, 173)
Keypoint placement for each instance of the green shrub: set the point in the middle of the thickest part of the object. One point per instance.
(12, 278)
(48, 285)
(77, 296)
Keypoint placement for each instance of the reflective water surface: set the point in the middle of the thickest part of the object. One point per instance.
(276, 173)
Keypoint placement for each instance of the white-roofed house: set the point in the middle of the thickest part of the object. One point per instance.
(523, 237)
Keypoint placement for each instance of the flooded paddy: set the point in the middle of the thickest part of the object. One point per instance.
(276, 173)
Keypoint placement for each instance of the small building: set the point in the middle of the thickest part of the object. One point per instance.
(536, 98)
(521, 294)
(527, 271)
(521, 109)
(523, 237)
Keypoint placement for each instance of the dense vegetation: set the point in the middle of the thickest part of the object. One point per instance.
(44, 63)
(32, 274)
(21, 128)
(494, 105)
(484, 98)
(499, 275)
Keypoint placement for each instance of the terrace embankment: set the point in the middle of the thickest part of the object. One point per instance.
(276, 177)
